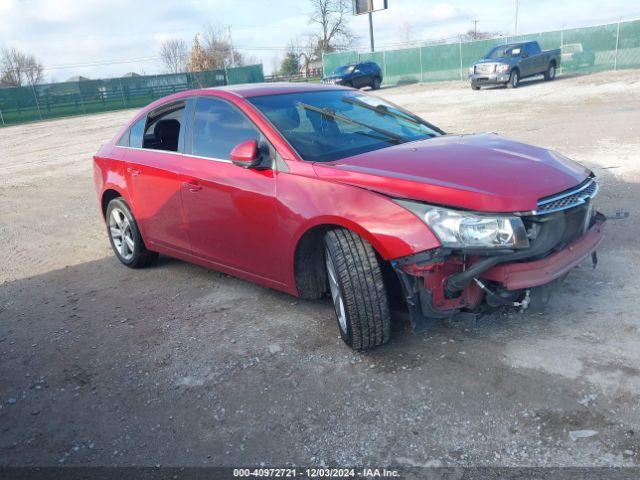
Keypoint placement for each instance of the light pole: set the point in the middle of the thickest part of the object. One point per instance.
(475, 29)
(371, 30)
(515, 30)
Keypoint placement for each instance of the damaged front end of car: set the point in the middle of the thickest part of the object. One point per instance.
(490, 260)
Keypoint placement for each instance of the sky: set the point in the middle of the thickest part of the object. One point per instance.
(98, 38)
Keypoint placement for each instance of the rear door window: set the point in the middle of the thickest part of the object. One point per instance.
(532, 49)
(163, 127)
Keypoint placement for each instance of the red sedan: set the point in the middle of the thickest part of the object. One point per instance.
(314, 189)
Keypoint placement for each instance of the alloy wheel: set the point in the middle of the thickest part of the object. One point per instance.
(120, 232)
(336, 295)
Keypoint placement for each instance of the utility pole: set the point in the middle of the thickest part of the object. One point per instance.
(371, 30)
(233, 56)
(515, 30)
(475, 29)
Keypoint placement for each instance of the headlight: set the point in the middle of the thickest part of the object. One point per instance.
(502, 67)
(460, 229)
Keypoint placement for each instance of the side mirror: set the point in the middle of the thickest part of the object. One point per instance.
(246, 154)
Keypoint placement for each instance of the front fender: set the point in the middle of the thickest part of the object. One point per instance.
(308, 202)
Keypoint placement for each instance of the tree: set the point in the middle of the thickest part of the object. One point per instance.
(18, 68)
(290, 64)
(332, 17)
(216, 43)
(198, 59)
(472, 35)
(174, 55)
(306, 48)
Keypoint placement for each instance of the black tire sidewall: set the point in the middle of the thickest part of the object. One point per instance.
(138, 247)
(515, 77)
(347, 336)
(549, 75)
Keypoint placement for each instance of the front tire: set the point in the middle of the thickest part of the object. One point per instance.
(376, 84)
(357, 289)
(475, 87)
(514, 79)
(124, 236)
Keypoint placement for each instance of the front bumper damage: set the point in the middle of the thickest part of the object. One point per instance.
(442, 283)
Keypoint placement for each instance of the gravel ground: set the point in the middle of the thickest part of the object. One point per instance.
(178, 365)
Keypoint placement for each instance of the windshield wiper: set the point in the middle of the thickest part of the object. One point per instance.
(381, 109)
(337, 116)
(384, 110)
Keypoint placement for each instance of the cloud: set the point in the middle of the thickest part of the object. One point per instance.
(61, 32)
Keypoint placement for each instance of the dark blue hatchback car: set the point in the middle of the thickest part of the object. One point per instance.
(357, 75)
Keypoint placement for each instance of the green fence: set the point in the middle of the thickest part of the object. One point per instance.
(589, 49)
(45, 101)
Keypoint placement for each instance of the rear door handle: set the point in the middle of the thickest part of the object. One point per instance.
(133, 171)
(192, 185)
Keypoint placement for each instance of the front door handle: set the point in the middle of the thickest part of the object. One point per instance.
(192, 185)
(133, 171)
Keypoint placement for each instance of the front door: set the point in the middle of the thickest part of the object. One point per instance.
(230, 210)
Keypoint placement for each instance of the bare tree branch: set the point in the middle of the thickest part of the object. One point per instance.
(216, 44)
(18, 68)
(174, 54)
(332, 17)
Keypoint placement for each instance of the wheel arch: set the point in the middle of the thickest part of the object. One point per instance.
(309, 273)
(107, 195)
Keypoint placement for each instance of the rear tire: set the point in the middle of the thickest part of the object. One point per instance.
(124, 236)
(475, 87)
(357, 289)
(550, 74)
(514, 79)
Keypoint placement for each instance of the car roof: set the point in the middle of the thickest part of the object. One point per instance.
(516, 44)
(247, 90)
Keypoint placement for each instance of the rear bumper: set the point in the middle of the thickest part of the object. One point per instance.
(517, 276)
(479, 79)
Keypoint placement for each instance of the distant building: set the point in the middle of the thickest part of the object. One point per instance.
(131, 74)
(78, 78)
(314, 69)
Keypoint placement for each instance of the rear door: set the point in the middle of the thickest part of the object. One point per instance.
(539, 60)
(360, 76)
(526, 62)
(153, 177)
(230, 210)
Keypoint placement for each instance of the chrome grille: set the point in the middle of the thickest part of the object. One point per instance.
(569, 199)
(485, 68)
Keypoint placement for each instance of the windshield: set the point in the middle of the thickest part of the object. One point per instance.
(504, 51)
(344, 70)
(329, 125)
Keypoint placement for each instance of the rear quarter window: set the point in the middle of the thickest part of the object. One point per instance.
(136, 132)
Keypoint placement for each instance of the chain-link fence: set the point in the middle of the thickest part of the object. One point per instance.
(589, 49)
(53, 100)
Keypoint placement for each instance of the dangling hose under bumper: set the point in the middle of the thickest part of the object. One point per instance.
(550, 234)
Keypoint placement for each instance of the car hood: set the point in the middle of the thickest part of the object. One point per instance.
(495, 60)
(477, 172)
